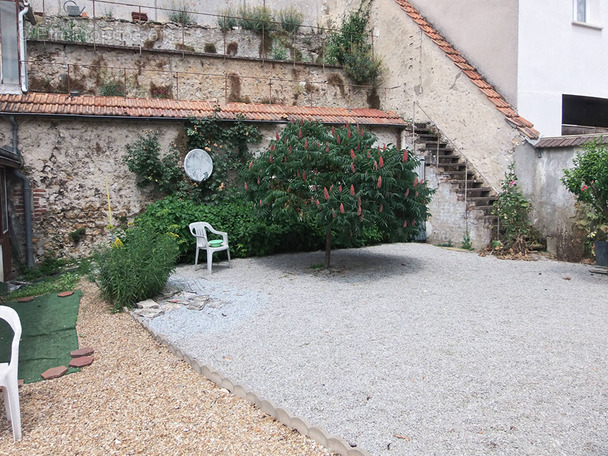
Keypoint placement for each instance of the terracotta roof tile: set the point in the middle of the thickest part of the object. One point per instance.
(523, 125)
(570, 141)
(53, 104)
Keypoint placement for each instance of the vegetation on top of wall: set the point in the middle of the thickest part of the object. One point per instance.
(349, 47)
(290, 19)
(258, 19)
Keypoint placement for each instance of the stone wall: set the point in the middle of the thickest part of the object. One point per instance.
(62, 68)
(74, 163)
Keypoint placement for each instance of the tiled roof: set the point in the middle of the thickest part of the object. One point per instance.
(569, 141)
(66, 105)
(522, 124)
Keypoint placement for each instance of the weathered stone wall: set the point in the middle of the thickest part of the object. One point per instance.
(60, 68)
(432, 88)
(70, 162)
(305, 46)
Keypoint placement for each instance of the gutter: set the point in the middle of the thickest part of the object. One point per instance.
(22, 47)
(27, 199)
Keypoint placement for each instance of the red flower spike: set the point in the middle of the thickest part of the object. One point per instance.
(416, 194)
(258, 181)
(359, 201)
(341, 208)
(405, 224)
(404, 159)
(381, 208)
(250, 164)
(338, 139)
(298, 173)
(375, 165)
(318, 203)
(271, 159)
(379, 181)
(326, 193)
(306, 144)
(333, 131)
(261, 204)
(352, 154)
(362, 132)
(381, 162)
(358, 146)
(333, 212)
(359, 211)
(407, 192)
(348, 133)
(340, 189)
(290, 149)
(300, 134)
(352, 190)
(278, 136)
(331, 188)
(246, 188)
(272, 148)
(327, 149)
(352, 166)
(304, 176)
(384, 148)
(368, 155)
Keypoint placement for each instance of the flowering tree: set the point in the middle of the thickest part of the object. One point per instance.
(588, 181)
(338, 179)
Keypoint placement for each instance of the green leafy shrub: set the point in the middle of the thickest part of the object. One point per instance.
(136, 266)
(588, 181)
(144, 159)
(226, 20)
(77, 234)
(512, 209)
(256, 18)
(248, 235)
(290, 19)
(339, 181)
(113, 88)
(279, 52)
(181, 16)
(349, 48)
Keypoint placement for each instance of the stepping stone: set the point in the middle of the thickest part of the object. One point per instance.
(82, 352)
(28, 299)
(65, 294)
(82, 361)
(54, 372)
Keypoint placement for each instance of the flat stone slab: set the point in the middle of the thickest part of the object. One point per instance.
(82, 352)
(81, 361)
(147, 304)
(65, 294)
(54, 372)
(27, 299)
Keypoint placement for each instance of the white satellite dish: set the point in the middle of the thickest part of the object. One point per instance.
(198, 165)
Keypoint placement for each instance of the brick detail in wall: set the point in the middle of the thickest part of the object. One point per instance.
(40, 203)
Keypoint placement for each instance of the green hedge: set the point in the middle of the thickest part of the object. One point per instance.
(248, 235)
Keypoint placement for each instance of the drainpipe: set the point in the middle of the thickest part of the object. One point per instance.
(22, 47)
(27, 199)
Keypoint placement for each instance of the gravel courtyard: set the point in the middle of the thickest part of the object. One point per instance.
(411, 348)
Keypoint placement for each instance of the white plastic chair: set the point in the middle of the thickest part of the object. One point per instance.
(8, 373)
(198, 230)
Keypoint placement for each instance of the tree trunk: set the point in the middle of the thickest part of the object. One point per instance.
(327, 246)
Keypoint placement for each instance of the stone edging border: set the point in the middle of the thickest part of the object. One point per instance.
(280, 414)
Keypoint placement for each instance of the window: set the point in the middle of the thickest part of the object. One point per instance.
(581, 10)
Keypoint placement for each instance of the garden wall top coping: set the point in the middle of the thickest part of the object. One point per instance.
(44, 104)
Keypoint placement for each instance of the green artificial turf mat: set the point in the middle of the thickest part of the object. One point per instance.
(48, 334)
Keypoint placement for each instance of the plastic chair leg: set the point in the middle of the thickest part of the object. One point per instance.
(13, 412)
(209, 261)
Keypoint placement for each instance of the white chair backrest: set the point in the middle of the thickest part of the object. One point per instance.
(9, 315)
(198, 229)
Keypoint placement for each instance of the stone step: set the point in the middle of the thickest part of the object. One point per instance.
(470, 183)
(481, 201)
(479, 191)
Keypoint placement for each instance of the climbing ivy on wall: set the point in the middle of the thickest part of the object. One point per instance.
(226, 142)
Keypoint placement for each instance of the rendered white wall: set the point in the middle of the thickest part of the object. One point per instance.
(558, 57)
(483, 31)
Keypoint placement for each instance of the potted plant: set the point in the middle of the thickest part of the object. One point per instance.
(588, 181)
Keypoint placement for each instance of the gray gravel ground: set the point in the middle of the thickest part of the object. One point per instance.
(411, 348)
